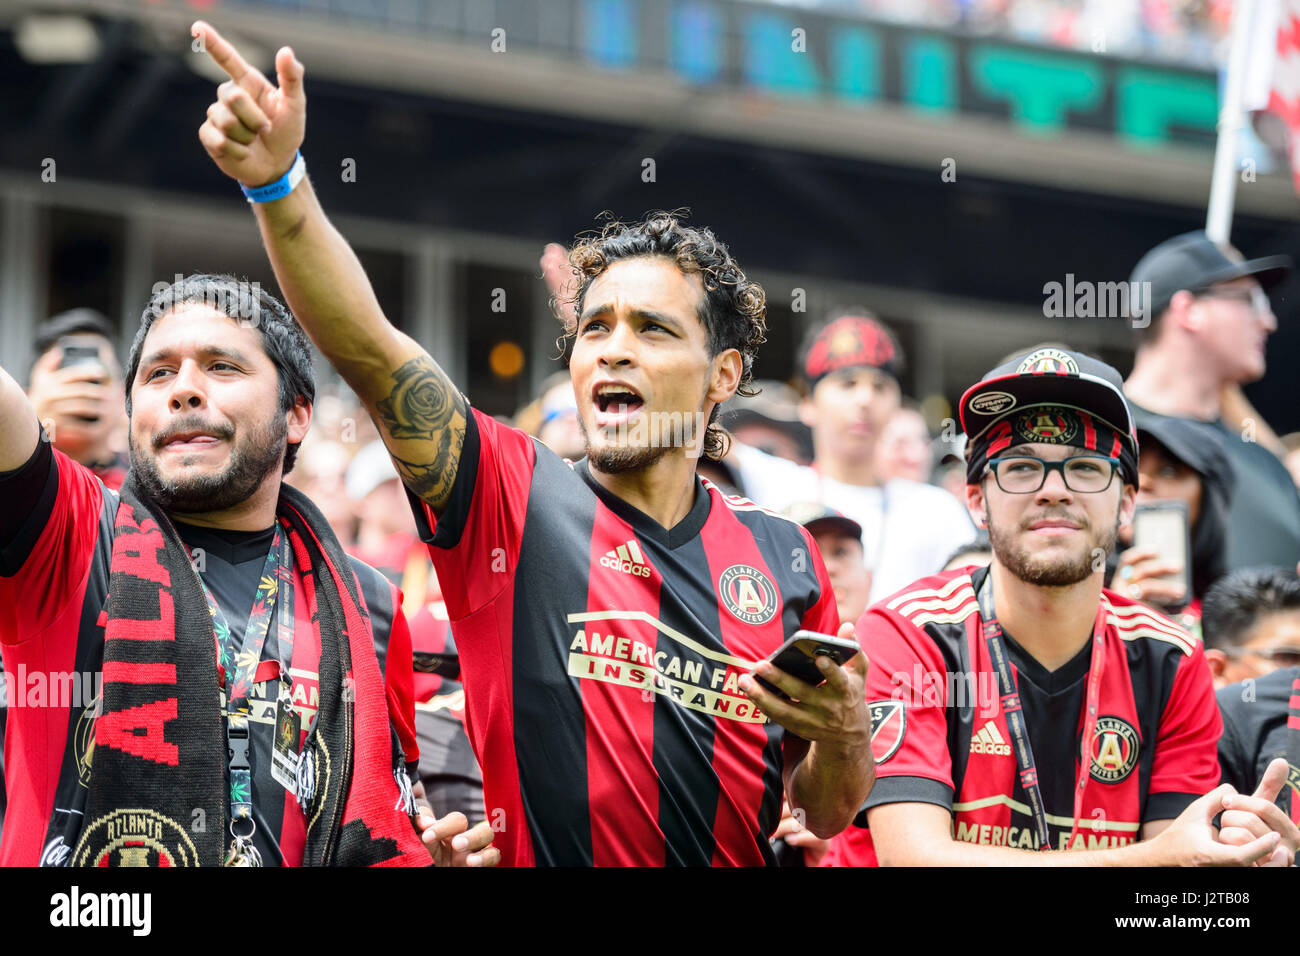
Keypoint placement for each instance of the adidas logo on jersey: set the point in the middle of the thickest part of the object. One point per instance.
(626, 558)
(990, 741)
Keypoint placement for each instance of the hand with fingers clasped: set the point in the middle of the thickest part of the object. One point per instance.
(254, 129)
(1248, 818)
(451, 841)
(1191, 839)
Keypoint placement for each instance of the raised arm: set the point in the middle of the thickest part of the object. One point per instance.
(19, 430)
(253, 133)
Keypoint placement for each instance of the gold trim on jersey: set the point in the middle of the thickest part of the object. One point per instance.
(1001, 799)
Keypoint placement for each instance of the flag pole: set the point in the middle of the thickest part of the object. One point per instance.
(1232, 117)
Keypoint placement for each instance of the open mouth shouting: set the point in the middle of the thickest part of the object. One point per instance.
(615, 403)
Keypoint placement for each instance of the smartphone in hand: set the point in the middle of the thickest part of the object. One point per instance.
(798, 656)
(1163, 527)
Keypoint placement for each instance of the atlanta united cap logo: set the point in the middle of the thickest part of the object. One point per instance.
(888, 724)
(1113, 750)
(1048, 362)
(1047, 423)
(748, 594)
(135, 837)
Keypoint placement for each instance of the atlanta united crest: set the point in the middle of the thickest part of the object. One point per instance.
(135, 837)
(1113, 750)
(1047, 423)
(748, 594)
(1048, 362)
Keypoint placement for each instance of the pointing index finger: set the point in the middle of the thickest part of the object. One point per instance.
(221, 50)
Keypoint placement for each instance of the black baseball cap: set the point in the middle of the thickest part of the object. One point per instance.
(817, 517)
(1197, 445)
(1194, 262)
(1052, 395)
(1047, 376)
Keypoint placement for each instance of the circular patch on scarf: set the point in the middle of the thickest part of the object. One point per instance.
(135, 837)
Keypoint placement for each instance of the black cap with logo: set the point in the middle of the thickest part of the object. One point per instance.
(817, 517)
(1194, 262)
(1049, 395)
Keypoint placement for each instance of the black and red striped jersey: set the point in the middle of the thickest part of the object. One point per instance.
(601, 652)
(940, 736)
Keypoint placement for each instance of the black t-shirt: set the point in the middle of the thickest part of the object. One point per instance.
(1264, 515)
(1052, 702)
(1255, 731)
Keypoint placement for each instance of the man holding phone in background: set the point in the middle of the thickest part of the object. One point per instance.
(988, 684)
(75, 386)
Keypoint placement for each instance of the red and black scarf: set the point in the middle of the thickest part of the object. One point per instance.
(158, 793)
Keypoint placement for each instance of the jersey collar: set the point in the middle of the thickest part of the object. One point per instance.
(646, 527)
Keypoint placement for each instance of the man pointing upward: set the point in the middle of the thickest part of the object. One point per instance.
(608, 613)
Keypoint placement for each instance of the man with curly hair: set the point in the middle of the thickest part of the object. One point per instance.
(610, 614)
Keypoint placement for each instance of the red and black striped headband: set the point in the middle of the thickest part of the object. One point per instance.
(1053, 425)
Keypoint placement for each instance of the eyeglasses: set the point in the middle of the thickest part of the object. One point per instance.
(1283, 656)
(1253, 297)
(1086, 474)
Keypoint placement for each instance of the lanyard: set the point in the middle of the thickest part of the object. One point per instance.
(1015, 716)
(1293, 748)
(240, 662)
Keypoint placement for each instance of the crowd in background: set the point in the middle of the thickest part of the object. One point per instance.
(843, 451)
(1190, 31)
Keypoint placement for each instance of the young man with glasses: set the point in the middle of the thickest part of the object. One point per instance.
(988, 684)
(1210, 320)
